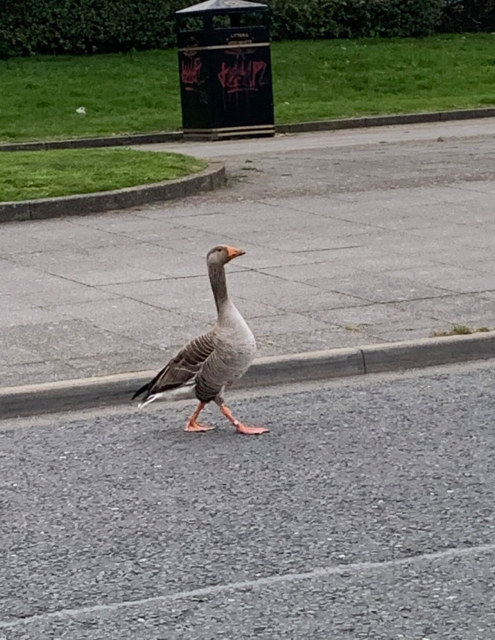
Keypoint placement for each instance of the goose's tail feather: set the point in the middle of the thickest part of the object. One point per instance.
(176, 391)
(148, 400)
(142, 390)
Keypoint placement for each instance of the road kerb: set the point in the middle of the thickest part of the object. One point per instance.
(82, 204)
(336, 124)
(117, 389)
(428, 352)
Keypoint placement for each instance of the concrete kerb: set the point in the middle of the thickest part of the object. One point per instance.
(386, 121)
(297, 127)
(85, 143)
(210, 178)
(204, 181)
(115, 390)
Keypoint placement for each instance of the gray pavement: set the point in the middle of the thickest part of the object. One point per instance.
(367, 512)
(352, 237)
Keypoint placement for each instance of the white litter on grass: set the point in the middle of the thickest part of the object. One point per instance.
(81, 111)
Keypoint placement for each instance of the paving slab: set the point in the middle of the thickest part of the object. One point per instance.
(352, 237)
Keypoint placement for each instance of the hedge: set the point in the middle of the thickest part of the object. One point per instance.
(468, 15)
(29, 27)
(351, 19)
(85, 26)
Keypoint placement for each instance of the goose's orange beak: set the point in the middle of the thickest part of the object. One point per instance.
(232, 253)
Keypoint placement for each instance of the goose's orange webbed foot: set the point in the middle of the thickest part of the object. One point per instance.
(198, 427)
(194, 425)
(239, 427)
(250, 431)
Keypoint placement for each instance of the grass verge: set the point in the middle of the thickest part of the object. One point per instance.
(42, 174)
(313, 80)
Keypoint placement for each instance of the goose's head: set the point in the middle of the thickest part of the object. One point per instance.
(222, 254)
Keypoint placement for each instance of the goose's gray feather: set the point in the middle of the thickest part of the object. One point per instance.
(182, 367)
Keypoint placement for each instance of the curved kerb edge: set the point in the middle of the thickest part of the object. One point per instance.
(210, 178)
(295, 127)
(304, 367)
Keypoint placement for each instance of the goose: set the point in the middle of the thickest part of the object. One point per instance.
(214, 360)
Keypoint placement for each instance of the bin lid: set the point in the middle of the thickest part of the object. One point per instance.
(222, 6)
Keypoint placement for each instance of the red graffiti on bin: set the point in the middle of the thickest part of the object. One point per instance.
(242, 75)
(190, 72)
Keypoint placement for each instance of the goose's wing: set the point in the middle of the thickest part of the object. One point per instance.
(182, 367)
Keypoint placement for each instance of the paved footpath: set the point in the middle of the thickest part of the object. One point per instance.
(352, 237)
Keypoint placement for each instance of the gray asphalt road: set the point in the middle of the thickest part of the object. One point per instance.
(367, 512)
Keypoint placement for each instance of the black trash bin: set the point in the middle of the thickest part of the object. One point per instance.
(225, 70)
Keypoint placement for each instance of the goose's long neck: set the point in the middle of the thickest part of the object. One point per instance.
(218, 283)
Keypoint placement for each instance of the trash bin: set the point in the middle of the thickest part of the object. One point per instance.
(225, 70)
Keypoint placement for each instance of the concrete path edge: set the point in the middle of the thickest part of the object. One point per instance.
(210, 178)
(296, 127)
(72, 395)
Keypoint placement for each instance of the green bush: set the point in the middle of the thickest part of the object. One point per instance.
(468, 15)
(30, 27)
(86, 26)
(294, 19)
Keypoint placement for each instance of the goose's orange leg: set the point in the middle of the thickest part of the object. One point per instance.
(239, 427)
(194, 425)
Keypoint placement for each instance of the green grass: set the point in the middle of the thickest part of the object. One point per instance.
(138, 91)
(41, 174)
(374, 76)
(121, 94)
